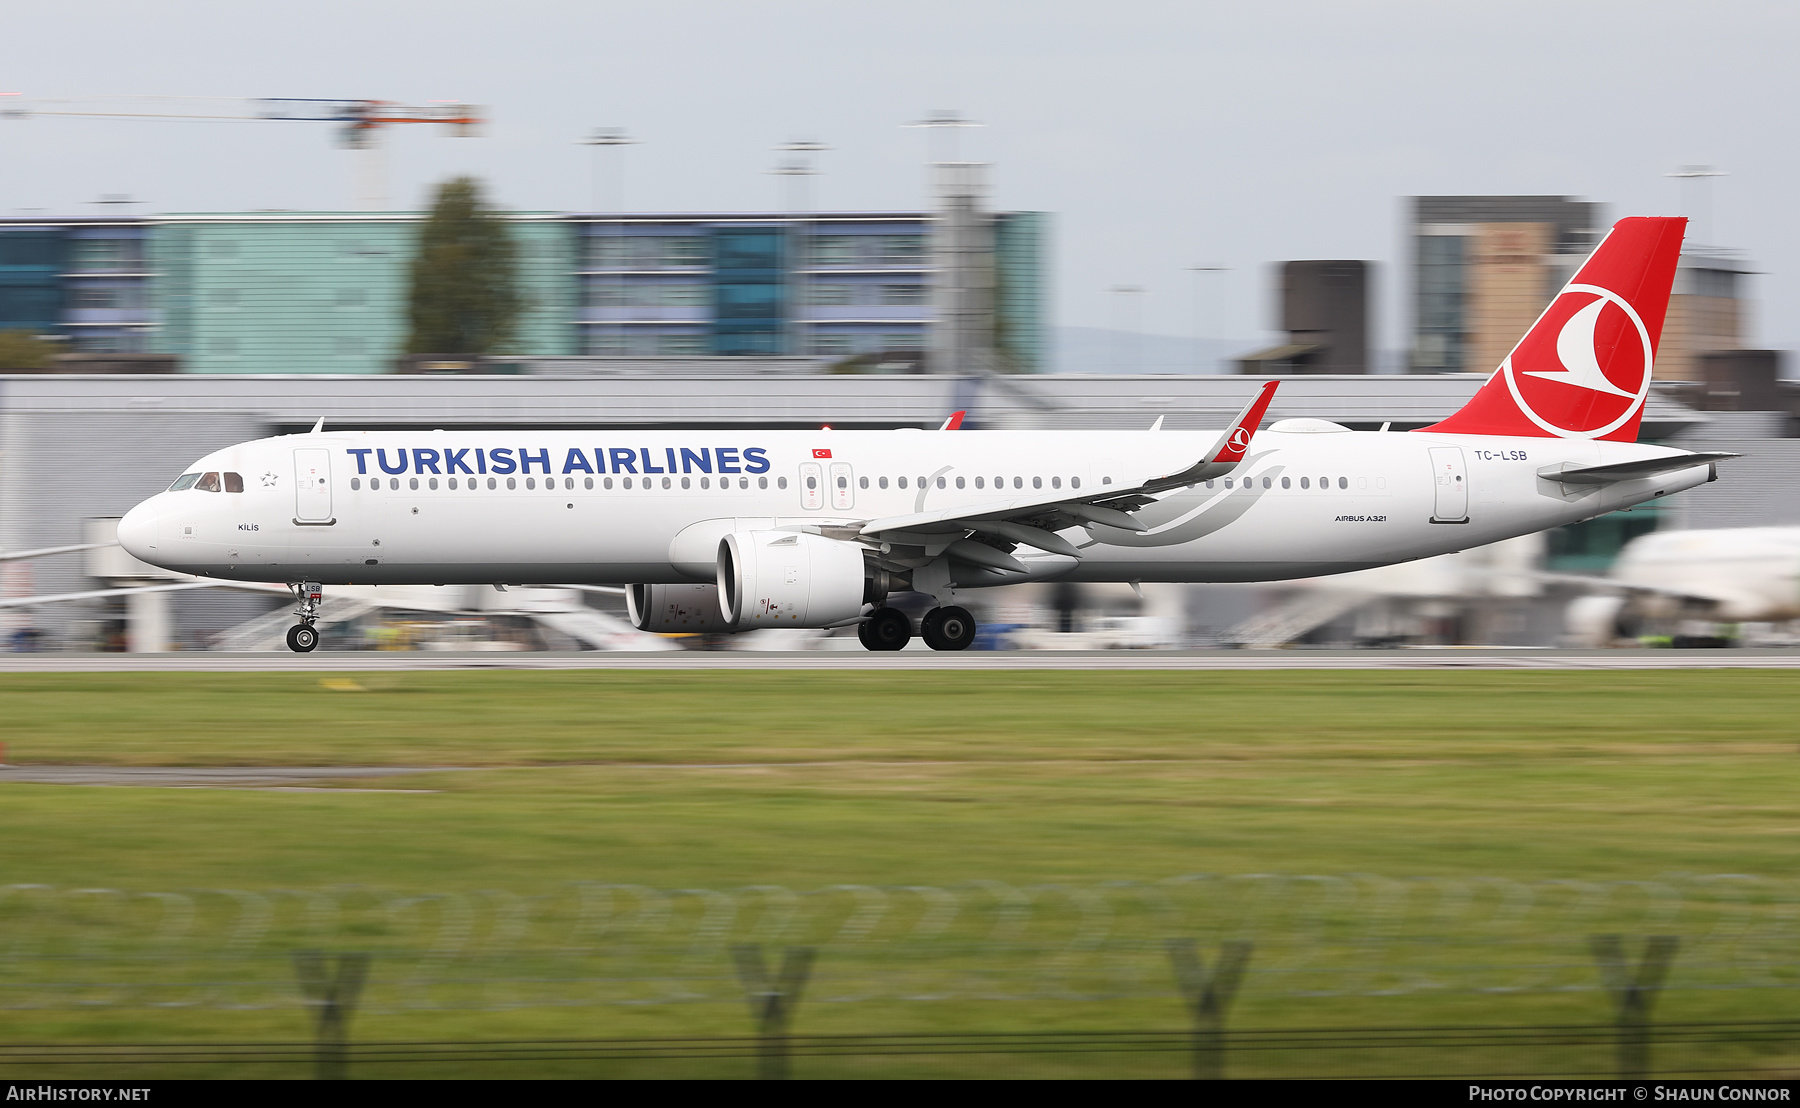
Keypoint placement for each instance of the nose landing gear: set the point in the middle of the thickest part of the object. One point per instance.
(948, 628)
(303, 637)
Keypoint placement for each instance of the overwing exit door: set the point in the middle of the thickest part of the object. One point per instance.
(812, 477)
(312, 486)
(843, 495)
(1450, 492)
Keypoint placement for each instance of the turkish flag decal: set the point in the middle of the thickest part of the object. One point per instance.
(821, 453)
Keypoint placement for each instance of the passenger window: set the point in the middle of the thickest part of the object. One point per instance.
(530, 483)
(452, 483)
(1037, 482)
(511, 483)
(606, 482)
(684, 483)
(492, 484)
(812, 482)
(863, 481)
(1056, 482)
(432, 483)
(1074, 482)
(1305, 484)
(979, 482)
(902, 482)
(1343, 482)
(706, 482)
(234, 482)
(394, 484)
(959, 483)
(209, 482)
(668, 484)
(625, 482)
(355, 483)
(940, 482)
(1287, 483)
(1018, 482)
(184, 482)
(882, 482)
(1228, 483)
(1209, 484)
(843, 482)
(1268, 483)
(412, 483)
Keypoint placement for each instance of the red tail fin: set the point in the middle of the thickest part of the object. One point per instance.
(1583, 370)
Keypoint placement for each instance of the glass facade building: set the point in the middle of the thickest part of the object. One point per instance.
(325, 292)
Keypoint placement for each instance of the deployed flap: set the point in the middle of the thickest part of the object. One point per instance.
(1570, 474)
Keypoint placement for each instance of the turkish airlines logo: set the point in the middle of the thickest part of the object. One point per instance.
(821, 453)
(1584, 370)
(1239, 441)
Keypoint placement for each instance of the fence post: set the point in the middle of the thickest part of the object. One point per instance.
(331, 992)
(1632, 995)
(1208, 996)
(772, 1001)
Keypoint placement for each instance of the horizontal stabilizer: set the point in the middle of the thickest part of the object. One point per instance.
(1569, 474)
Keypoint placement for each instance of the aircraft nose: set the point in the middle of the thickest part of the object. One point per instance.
(137, 533)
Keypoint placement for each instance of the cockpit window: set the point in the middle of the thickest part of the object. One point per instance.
(209, 482)
(185, 481)
(234, 482)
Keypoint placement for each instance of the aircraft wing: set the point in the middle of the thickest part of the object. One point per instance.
(1034, 520)
(1571, 474)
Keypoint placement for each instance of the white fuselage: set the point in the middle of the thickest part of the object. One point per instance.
(450, 507)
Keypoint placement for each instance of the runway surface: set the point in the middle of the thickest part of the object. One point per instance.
(367, 661)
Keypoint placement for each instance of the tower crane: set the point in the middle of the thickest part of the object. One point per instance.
(361, 122)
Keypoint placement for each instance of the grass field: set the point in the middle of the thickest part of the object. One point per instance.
(809, 779)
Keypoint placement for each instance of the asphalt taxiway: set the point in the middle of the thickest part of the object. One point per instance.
(378, 661)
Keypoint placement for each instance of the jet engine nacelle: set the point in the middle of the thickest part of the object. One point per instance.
(676, 609)
(788, 579)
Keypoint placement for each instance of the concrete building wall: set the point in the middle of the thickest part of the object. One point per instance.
(1509, 283)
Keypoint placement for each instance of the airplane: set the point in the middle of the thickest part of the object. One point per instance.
(731, 531)
(1727, 576)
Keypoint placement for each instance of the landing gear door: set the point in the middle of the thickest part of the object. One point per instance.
(812, 486)
(843, 494)
(1450, 490)
(312, 486)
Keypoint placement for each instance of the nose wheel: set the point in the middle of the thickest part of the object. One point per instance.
(948, 628)
(303, 637)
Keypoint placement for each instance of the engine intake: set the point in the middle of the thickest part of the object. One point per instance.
(787, 579)
(675, 609)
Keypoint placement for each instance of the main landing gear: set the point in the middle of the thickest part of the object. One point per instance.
(948, 628)
(303, 637)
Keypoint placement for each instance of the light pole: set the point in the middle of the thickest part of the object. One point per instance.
(797, 167)
(603, 139)
(1199, 272)
(1694, 187)
(1126, 304)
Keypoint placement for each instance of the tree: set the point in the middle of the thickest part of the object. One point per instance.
(24, 350)
(465, 297)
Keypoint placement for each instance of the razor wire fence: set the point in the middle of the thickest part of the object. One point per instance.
(596, 944)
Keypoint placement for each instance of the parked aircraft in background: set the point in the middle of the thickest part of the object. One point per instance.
(1728, 576)
(730, 531)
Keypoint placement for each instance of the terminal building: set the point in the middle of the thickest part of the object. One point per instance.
(1485, 266)
(297, 292)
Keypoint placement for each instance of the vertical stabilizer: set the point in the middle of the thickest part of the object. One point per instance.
(1583, 370)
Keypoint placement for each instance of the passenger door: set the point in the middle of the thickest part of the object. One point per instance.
(1450, 491)
(843, 491)
(812, 480)
(312, 486)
